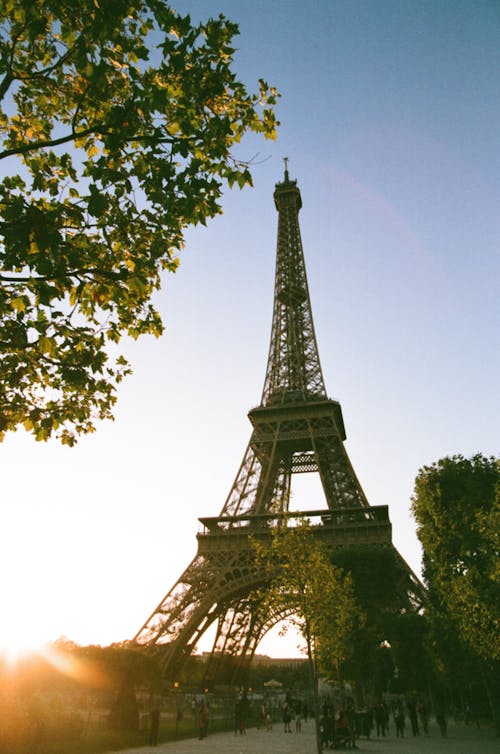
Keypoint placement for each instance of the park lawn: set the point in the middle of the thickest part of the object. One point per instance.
(95, 740)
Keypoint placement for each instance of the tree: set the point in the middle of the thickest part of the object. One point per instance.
(380, 582)
(118, 122)
(456, 505)
(318, 596)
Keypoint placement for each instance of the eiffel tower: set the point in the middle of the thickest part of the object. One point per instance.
(296, 429)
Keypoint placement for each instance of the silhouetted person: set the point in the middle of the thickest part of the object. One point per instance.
(380, 718)
(203, 719)
(154, 727)
(241, 715)
(342, 734)
(441, 720)
(423, 713)
(287, 717)
(327, 724)
(412, 713)
(399, 719)
(298, 716)
(368, 722)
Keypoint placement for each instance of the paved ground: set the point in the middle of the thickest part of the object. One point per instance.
(460, 740)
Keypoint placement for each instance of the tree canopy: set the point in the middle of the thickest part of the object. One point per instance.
(319, 596)
(380, 584)
(456, 504)
(118, 124)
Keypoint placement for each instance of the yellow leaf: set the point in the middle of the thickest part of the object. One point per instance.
(92, 151)
(47, 345)
(20, 16)
(136, 285)
(18, 304)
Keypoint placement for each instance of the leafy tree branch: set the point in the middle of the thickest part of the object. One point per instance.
(118, 125)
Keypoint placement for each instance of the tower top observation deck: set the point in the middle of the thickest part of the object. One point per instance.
(288, 188)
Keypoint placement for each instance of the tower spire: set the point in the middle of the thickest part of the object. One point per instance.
(293, 367)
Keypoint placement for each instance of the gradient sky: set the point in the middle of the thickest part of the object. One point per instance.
(390, 119)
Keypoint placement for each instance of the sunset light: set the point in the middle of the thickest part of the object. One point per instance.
(18, 641)
(190, 371)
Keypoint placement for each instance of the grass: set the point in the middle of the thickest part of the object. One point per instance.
(95, 740)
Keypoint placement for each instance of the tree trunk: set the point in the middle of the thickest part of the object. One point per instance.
(314, 686)
(494, 701)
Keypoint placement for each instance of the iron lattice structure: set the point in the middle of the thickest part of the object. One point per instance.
(296, 429)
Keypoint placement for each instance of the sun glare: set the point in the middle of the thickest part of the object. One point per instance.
(18, 649)
(16, 644)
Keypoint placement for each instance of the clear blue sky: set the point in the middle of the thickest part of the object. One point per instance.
(390, 118)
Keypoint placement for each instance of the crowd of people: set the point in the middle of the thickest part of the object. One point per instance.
(340, 724)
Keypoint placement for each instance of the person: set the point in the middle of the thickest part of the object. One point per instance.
(368, 721)
(342, 733)
(241, 714)
(423, 713)
(327, 726)
(298, 716)
(305, 712)
(203, 719)
(411, 705)
(154, 719)
(263, 716)
(287, 717)
(269, 721)
(351, 721)
(467, 713)
(380, 718)
(399, 719)
(441, 719)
